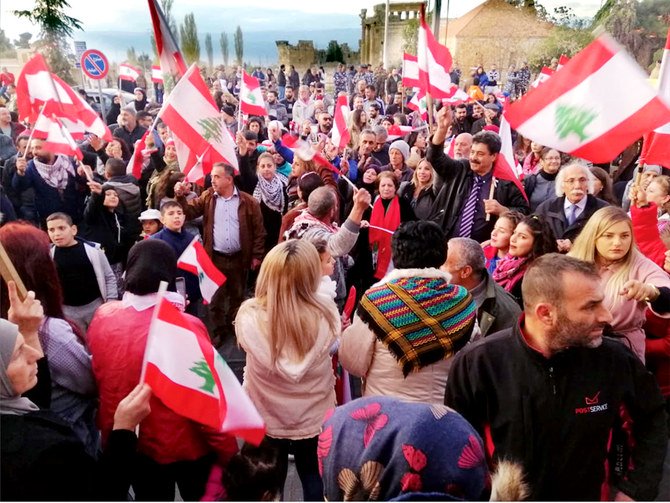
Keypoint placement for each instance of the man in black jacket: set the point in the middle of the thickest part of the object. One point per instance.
(567, 213)
(464, 200)
(557, 397)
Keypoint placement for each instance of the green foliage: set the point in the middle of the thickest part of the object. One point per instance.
(334, 52)
(6, 47)
(190, 45)
(209, 49)
(23, 42)
(49, 15)
(131, 55)
(144, 60)
(410, 36)
(223, 40)
(238, 40)
(563, 40)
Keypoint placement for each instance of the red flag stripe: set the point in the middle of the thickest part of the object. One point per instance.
(581, 67)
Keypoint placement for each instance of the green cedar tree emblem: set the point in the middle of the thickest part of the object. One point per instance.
(201, 369)
(211, 128)
(574, 120)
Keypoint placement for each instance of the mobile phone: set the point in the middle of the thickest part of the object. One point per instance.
(180, 284)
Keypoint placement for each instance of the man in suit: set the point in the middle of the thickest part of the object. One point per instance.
(466, 263)
(464, 200)
(573, 205)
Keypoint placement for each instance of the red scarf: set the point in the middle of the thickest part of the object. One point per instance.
(510, 271)
(389, 219)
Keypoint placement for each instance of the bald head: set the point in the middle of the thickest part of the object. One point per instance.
(462, 146)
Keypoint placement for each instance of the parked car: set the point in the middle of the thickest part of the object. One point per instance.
(108, 95)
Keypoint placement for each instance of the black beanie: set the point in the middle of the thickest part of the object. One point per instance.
(150, 262)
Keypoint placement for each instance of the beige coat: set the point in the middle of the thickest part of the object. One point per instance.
(363, 355)
(292, 397)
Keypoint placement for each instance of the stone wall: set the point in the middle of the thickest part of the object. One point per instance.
(372, 32)
(304, 54)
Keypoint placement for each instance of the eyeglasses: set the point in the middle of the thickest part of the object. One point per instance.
(579, 181)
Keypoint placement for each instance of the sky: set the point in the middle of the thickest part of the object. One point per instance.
(113, 28)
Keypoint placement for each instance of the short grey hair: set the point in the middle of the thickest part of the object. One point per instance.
(380, 131)
(471, 254)
(321, 202)
(560, 178)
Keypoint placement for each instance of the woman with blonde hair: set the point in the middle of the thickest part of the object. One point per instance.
(287, 330)
(420, 192)
(631, 280)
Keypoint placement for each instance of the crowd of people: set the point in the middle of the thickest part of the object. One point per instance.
(497, 342)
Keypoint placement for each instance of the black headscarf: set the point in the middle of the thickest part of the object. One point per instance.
(150, 262)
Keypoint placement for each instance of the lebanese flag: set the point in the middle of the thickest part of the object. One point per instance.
(305, 151)
(543, 76)
(656, 145)
(458, 97)
(251, 99)
(434, 62)
(44, 122)
(410, 70)
(58, 138)
(340, 134)
(193, 118)
(195, 260)
(418, 103)
(506, 167)
(137, 160)
(36, 87)
(580, 112)
(156, 74)
(171, 60)
(396, 131)
(190, 377)
(562, 61)
(128, 72)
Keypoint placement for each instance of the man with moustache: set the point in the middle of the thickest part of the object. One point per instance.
(568, 212)
(558, 404)
(464, 200)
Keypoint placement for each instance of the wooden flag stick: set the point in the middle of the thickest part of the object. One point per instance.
(491, 190)
(8, 272)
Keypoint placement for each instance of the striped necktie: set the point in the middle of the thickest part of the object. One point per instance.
(470, 208)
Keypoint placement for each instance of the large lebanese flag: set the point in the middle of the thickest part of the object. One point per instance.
(128, 72)
(251, 99)
(410, 70)
(169, 55)
(190, 377)
(434, 61)
(193, 118)
(340, 134)
(506, 167)
(656, 145)
(195, 260)
(580, 112)
(36, 87)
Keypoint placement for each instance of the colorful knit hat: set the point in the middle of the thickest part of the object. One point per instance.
(382, 448)
(421, 320)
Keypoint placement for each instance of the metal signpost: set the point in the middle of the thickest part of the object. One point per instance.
(95, 66)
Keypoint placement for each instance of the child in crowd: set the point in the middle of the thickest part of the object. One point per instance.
(498, 246)
(151, 223)
(173, 218)
(84, 271)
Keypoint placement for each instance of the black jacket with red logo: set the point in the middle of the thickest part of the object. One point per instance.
(564, 418)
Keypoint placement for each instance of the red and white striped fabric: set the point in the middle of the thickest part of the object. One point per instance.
(458, 97)
(156, 74)
(506, 167)
(58, 139)
(251, 99)
(396, 131)
(36, 87)
(656, 145)
(543, 76)
(580, 112)
(137, 160)
(434, 62)
(193, 118)
(340, 134)
(128, 72)
(190, 377)
(562, 61)
(305, 151)
(195, 260)
(410, 70)
(419, 103)
(171, 60)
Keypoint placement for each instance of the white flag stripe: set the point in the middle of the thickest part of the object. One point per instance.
(241, 412)
(611, 108)
(168, 338)
(42, 87)
(410, 69)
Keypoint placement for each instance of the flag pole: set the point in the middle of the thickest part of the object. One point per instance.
(429, 104)
(491, 190)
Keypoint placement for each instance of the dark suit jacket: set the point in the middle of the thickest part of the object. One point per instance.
(554, 216)
(499, 309)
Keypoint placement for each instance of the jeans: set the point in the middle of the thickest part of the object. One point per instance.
(282, 92)
(306, 463)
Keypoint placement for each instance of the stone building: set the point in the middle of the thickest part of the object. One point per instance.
(304, 54)
(495, 32)
(372, 32)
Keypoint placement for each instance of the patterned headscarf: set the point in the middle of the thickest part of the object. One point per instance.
(382, 448)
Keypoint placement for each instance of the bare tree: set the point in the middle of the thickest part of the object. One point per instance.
(224, 47)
